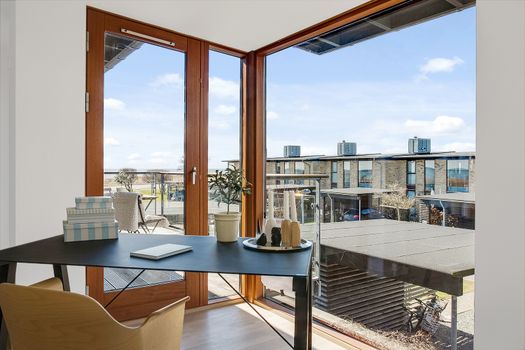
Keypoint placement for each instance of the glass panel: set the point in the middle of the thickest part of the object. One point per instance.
(457, 175)
(224, 128)
(144, 121)
(333, 176)
(380, 93)
(430, 179)
(365, 173)
(346, 174)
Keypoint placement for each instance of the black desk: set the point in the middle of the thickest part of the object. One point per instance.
(207, 256)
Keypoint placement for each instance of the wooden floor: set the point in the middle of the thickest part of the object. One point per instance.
(237, 327)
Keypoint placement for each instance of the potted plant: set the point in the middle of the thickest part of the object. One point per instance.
(227, 186)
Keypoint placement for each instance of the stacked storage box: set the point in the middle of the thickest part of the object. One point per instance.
(92, 218)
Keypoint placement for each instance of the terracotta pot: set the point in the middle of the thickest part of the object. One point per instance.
(227, 226)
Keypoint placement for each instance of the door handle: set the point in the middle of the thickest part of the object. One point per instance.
(194, 175)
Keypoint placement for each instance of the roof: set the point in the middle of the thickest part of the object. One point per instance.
(355, 191)
(371, 156)
(456, 197)
(392, 19)
(288, 187)
(391, 248)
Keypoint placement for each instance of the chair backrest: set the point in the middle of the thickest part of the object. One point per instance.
(126, 210)
(42, 319)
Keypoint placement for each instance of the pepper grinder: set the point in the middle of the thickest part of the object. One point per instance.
(270, 222)
(295, 228)
(286, 233)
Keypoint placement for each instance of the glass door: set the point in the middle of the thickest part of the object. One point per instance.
(143, 135)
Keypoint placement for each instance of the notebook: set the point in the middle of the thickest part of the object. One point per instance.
(161, 251)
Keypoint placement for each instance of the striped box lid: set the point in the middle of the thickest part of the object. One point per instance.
(94, 199)
(90, 231)
(90, 211)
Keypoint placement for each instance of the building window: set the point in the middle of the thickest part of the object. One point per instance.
(299, 169)
(287, 171)
(430, 176)
(333, 176)
(346, 174)
(411, 178)
(365, 173)
(277, 171)
(457, 175)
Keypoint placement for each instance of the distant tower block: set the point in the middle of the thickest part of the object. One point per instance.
(417, 145)
(346, 148)
(292, 151)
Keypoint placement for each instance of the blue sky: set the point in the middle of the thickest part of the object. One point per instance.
(417, 81)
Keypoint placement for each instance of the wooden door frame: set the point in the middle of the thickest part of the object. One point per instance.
(253, 154)
(139, 302)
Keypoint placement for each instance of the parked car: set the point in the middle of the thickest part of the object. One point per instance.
(366, 214)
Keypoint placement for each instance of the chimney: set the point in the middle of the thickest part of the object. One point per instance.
(346, 148)
(417, 145)
(292, 151)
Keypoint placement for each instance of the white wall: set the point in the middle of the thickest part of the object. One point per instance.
(500, 183)
(7, 116)
(48, 132)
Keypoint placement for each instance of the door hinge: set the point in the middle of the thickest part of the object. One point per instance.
(87, 41)
(87, 289)
(87, 102)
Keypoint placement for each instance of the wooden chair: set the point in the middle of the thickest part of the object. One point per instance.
(43, 319)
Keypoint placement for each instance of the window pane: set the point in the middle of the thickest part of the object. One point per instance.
(429, 176)
(346, 174)
(379, 96)
(224, 130)
(457, 175)
(365, 173)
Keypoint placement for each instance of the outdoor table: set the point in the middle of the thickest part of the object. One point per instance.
(430, 256)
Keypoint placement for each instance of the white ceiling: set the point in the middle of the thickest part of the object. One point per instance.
(246, 25)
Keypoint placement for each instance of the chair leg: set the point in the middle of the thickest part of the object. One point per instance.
(145, 228)
(154, 227)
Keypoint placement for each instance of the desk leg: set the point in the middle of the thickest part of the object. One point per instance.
(303, 313)
(7, 274)
(61, 272)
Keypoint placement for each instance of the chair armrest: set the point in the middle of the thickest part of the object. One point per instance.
(163, 328)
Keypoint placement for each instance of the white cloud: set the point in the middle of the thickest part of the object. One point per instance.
(161, 154)
(219, 124)
(169, 79)
(114, 104)
(438, 65)
(111, 141)
(224, 88)
(134, 156)
(271, 115)
(440, 125)
(458, 147)
(158, 161)
(225, 109)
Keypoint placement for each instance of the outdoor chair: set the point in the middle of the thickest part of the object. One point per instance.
(126, 211)
(144, 219)
(43, 319)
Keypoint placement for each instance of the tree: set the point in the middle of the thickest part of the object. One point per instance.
(126, 177)
(397, 199)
